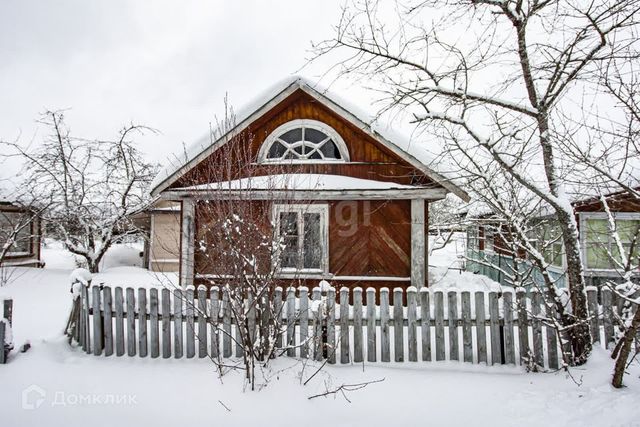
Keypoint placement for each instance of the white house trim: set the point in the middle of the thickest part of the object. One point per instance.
(323, 210)
(583, 217)
(303, 123)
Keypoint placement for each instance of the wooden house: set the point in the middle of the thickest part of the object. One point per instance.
(348, 203)
(489, 254)
(20, 229)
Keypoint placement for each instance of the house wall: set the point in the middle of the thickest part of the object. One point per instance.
(164, 245)
(501, 256)
(369, 243)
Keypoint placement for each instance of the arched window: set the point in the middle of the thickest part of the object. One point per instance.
(303, 141)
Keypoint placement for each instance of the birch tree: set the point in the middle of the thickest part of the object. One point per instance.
(495, 77)
(92, 186)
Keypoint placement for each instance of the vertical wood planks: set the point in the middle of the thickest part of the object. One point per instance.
(202, 322)
(291, 322)
(2, 338)
(97, 321)
(481, 331)
(398, 326)
(412, 317)
(425, 324)
(142, 322)
(178, 302)
(154, 337)
(304, 322)
(251, 318)
(385, 342)
(131, 322)
(344, 325)
(494, 329)
(467, 339)
(552, 339)
(87, 320)
(277, 308)
(316, 296)
(607, 311)
(371, 325)
(536, 328)
(358, 355)
(592, 303)
(191, 333)
(452, 305)
(119, 303)
(439, 315)
(331, 325)
(214, 298)
(166, 324)
(81, 320)
(226, 323)
(108, 321)
(509, 338)
(523, 325)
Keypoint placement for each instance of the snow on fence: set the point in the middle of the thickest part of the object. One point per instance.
(6, 343)
(480, 327)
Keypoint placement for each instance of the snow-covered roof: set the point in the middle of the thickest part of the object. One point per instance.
(411, 151)
(299, 182)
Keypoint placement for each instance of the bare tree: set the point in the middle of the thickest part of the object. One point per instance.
(494, 78)
(241, 247)
(93, 186)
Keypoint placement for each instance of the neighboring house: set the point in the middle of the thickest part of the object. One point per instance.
(161, 224)
(489, 254)
(21, 227)
(349, 202)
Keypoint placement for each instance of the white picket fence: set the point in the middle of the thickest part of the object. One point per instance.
(479, 327)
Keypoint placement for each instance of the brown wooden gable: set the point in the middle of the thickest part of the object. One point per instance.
(368, 158)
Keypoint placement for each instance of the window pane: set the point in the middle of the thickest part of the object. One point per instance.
(627, 229)
(8, 222)
(276, 151)
(289, 234)
(330, 150)
(597, 230)
(313, 135)
(293, 135)
(312, 241)
(597, 256)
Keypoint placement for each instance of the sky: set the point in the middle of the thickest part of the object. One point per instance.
(167, 65)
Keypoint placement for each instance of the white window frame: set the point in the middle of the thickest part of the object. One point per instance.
(323, 210)
(12, 252)
(584, 216)
(488, 230)
(294, 124)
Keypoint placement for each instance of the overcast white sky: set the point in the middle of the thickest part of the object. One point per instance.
(160, 63)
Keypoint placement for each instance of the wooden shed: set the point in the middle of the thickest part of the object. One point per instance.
(344, 202)
(20, 229)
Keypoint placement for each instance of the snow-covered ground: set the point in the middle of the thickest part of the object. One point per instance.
(53, 384)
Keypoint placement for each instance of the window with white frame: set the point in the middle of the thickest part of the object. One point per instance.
(9, 223)
(302, 233)
(303, 141)
(472, 238)
(489, 238)
(600, 247)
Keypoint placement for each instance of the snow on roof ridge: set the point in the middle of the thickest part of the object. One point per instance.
(301, 181)
(397, 139)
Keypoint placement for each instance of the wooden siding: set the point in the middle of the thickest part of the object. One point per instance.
(368, 158)
(366, 238)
